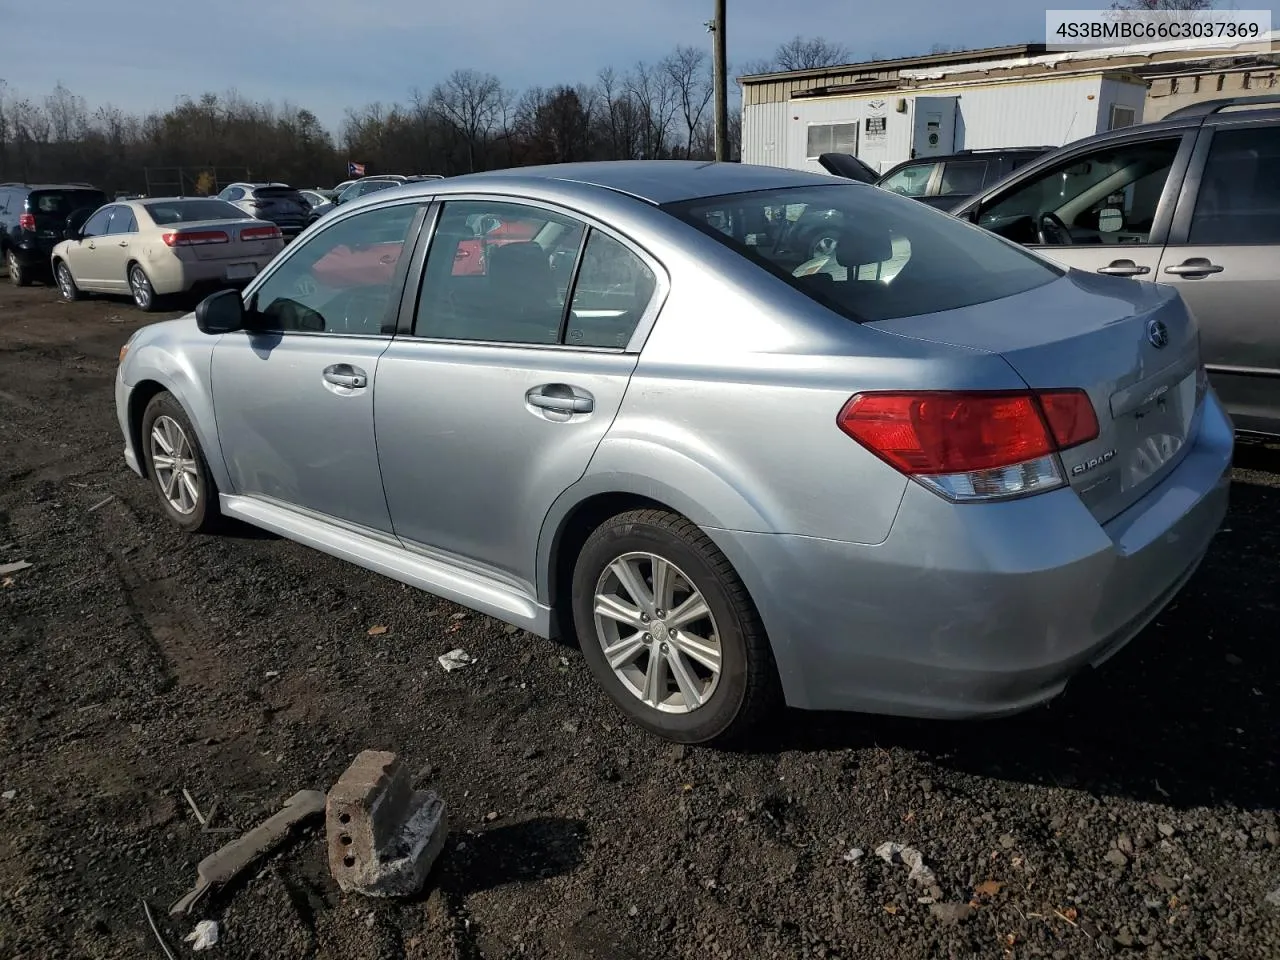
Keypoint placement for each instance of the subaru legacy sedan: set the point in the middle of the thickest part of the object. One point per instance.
(933, 474)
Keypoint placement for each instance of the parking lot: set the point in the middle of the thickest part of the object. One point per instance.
(1136, 814)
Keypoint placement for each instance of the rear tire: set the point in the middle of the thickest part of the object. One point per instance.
(660, 667)
(19, 275)
(144, 294)
(66, 282)
(177, 468)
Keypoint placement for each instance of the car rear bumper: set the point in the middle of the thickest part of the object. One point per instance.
(170, 275)
(35, 254)
(980, 610)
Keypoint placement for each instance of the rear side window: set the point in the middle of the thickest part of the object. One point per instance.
(962, 176)
(62, 203)
(864, 253)
(1239, 198)
(123, 221)
(910, 181)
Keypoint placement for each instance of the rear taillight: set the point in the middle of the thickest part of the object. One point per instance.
(26, 221)
(973, 446)
(261, 233)
(195, 238)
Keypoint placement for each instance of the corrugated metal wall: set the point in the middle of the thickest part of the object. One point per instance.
(764, 134)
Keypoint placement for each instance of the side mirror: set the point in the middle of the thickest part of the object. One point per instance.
(221, 312)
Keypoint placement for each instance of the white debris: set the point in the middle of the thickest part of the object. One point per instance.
(456, 660)
(8, 568)
(9, 794)
(204, 936)
(272, 673)
(853, 855)
(1273, 897)
(891, 852)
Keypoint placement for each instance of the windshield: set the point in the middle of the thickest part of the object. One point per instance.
(61, 203)
(189, 211)
(865, 253)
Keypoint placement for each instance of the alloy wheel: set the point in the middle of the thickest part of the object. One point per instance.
(65, 283)
(141, 287)
(174, 460)
(657, 633)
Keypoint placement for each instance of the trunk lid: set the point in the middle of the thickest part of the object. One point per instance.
(234, 249)
(848, 166)
(1134, 347)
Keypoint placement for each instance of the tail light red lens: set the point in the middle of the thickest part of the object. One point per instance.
(978, 445)
(195, 238)
(26, 221)
(261, 233)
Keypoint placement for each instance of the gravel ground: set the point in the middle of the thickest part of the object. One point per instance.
(1135, 815)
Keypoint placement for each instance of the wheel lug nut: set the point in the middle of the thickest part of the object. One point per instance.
(648, 637)
(664, 648)
(659, 614)
(644, 618)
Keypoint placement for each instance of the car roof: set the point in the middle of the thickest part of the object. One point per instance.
(654, 181)
(51, 186)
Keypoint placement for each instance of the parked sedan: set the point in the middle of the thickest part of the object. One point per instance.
(937, 493)
(156, 247)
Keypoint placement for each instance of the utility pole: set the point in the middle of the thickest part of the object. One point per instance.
(721, 84)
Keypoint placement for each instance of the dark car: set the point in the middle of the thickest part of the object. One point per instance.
(276, 203)
(33, 220)
(944, 182)
(1192, 200)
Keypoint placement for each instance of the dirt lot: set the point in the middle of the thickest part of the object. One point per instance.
(1137, 814)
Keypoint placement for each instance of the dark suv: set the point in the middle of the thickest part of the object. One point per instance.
(1192, 200)
(948, 181)
(33, 220)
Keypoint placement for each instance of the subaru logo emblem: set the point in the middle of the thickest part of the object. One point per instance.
(1157, 334)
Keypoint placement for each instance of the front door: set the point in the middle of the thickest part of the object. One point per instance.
(84, 256)
(1105, 209)
(294, 397)
(512, 374)
(1224, 258)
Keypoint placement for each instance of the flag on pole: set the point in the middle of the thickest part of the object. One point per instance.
(355, 169)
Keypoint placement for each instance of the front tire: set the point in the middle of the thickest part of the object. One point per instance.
(19, 276)
(66, 282)
(144, 295)
(177, 467)
(670, 631)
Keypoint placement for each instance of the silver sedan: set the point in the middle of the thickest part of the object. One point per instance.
(922, 471)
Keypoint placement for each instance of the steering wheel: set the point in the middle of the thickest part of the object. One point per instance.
(1051, 231)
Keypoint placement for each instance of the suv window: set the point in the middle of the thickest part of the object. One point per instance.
(910, 181)
(60, 204)
(1239, 198)
(341, 279)
(1107, 196)
(123, 221)
(962, 176)
(232, 194)
(96, 225)
(881, 257)
(498, 272)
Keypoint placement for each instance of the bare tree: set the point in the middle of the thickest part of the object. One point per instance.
(689, 71)
(655, 101)
(471, 102)
(802, 53)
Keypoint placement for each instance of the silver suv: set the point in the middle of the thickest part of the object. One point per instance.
(1192, 200)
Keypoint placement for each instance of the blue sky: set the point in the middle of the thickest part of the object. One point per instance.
(328, 55)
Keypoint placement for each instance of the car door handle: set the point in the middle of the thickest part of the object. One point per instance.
(345, 375)
(1123, 268)
(1195, 267)
(559, 398)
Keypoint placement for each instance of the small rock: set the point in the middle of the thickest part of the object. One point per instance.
(633, 911)
(853, 855)
(1008, 842)
(1117, 858)
(1124, 937)
(1166, 829)
(9, 794)
(926, 787)
(1167, 884)
(369, 920)
(491, 816)
(1234, 660)
(665, 924)
(531, 753)
(1124, 844)
(458, 616)
(569, 726)
(951, 913)
(1273, 837)
(510, 629)
(1273, 897)
(679, 752)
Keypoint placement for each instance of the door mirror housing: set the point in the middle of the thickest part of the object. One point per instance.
(221, 312)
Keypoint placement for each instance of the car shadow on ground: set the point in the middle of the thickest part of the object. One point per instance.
(1183, 716)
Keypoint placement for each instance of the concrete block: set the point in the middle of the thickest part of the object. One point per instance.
(383, 836)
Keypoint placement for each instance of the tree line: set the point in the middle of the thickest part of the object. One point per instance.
(469, 121)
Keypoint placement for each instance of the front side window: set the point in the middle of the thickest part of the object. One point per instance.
(96, 225)
(1108, 196)
(865, 254)
(1239, 198)
(910, 181)
(341, 280)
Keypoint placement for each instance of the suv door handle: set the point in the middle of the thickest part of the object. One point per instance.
(1123, 268)
(345, 375)
(560, 398)
(1195, 267)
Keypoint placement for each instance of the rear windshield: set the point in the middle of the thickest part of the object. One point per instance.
(866, 253)
(275, 193)
(63, 203)
(165, 212)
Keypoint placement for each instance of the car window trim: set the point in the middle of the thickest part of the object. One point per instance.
(1180, 228)
(249, 296)
(644, 326)
(1164, 208)
(571, 290)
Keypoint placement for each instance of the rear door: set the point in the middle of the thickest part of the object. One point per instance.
(503, 381)
(1224, 258)
(1104, 208)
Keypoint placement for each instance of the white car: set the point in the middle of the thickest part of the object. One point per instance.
(157, 247)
